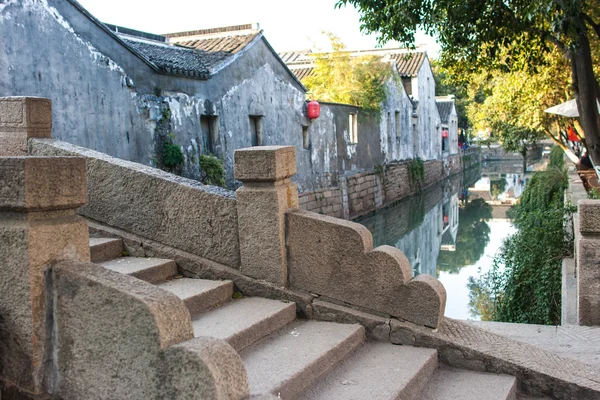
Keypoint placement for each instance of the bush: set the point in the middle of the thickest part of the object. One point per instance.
(212, 170)
(172, 155)
(524, 285)
(557, 158)
(416, 172)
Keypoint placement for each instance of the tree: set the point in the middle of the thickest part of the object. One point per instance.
(341, 78)
(506, 35)
(514, 103)
(445, 86)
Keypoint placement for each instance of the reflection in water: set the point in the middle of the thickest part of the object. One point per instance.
(473, 235)
(421, 226)
(444, 234)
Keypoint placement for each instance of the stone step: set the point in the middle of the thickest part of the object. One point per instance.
(199, 294)
(378, 371)
(287, 362)
(450, 383)
(242, 322)
(151, 270)
(104, 249)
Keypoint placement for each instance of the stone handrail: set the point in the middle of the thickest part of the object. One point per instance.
(154, 204)
(119, 337)
(587, 243)
(335, 258)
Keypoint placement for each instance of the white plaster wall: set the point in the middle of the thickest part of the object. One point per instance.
(429, 124)
(396, 144)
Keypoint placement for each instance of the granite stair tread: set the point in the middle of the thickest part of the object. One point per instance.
(450, 383)
(242, 322)
(287, 362)
(199, 294)
(104, 249)
(377, 371)
(152, 270)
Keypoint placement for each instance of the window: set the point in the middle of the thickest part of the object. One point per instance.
(305, 137)
(389, 133)
(209, 126)
(353, 127)
(256, 132)
(397, 121)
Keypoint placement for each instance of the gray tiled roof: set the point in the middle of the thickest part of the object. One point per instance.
(217, 49)
(445, 109)
(175, 60)
(408, 64)
(301, 73)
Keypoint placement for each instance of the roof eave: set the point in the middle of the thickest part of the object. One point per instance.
(88, 15)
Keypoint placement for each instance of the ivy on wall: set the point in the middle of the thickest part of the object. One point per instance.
(524, 284)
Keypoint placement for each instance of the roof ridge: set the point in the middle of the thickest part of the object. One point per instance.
(212, 31)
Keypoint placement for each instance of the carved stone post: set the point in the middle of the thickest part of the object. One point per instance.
(22, 118)
(38, 226)
(261, 205)
(588, 263)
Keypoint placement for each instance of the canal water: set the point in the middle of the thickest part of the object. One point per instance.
(454, 229)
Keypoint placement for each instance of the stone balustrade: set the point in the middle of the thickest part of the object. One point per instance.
(588, 262)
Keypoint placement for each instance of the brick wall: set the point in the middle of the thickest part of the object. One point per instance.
(361, 193)
(326, 201)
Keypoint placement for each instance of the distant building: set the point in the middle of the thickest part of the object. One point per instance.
(449, 119)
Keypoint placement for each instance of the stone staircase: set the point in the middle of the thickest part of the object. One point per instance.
(304, 359)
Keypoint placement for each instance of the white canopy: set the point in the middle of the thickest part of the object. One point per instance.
(567, 109)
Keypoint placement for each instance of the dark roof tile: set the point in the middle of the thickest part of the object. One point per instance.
(174, 60)
(445, 109)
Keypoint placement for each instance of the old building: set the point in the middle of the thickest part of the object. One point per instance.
(169, 100)
(126, 93)
(449, 121)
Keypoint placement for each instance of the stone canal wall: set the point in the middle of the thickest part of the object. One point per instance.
(360, 194)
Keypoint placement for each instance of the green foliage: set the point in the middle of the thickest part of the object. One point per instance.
(157, 91)
(166, 114)
(416, 172)
(508, 37)
(172, 156)
(341, 78)
(593, 194)
(445, 85)
(498, 187)
(212, 170)
(472, 237)
(524, 284)
(557, 158)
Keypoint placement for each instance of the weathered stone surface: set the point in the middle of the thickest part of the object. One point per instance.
(22, 118)
(265, 163)
(157, 205)
(261, 226)
(588, 280)
(42, 183)
(261, 205)
(197, 267)
(336, 258)
(110, 330)
(376, 328)
(589, 216)
(539, 372)
(204, 369)
(37, 228)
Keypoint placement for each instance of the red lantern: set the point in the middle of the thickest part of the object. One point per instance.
(314, 110)
(444, 134)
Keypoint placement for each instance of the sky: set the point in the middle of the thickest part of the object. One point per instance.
(287, 25)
